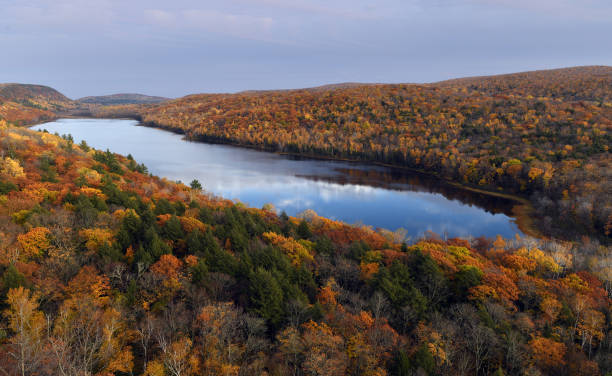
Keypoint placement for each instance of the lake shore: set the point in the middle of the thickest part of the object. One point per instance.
(517, 209)
(523, 209)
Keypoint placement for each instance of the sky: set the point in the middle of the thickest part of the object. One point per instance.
(177, 47)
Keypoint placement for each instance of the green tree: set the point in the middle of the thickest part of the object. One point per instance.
(11, 279)
(266, 296)
(303, 230)
(397, 284)
(195, 184)
(465, 278)
(423, 360)
(173, 230)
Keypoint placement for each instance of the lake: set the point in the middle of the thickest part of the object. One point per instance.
(351, 192)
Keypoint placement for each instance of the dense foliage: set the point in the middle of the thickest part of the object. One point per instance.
(108, 270)
(543, 135)
(28, 104)
(569, 84)
(24, 104)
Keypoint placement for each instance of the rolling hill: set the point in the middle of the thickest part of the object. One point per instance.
(119, 99)
(591, 83)
(27, 104)
(20, 92)
(544, 135)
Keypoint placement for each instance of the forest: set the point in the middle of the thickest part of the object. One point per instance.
(542, 135)
(23, 104)
(108, 270)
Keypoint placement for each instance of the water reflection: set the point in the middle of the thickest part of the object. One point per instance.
(373, 195)
(403, 180)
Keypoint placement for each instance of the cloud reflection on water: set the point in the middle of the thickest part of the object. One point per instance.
(373, 195)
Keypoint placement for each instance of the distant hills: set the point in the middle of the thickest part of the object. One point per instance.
(322, 88)
(119, 99)
(590, 83)
(21, 92)
(575, 83)
(26, 104)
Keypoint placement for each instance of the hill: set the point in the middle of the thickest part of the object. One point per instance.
(120, 99)
(24, 104)
(27, 104)
(544, 135)
(105, 269)
(22, 92)
(322, 88)
(591, 83)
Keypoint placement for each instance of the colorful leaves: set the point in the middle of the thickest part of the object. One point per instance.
(11, 168)
(35, 242)
(24, 317)
(167, 266)
(547, 353)
(458, 306)
(324, 355)
(327, 295)
(96, 237)
(27, 323)
(296, 251)
(368, 270)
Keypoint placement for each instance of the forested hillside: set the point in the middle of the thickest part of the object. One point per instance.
(544, 135)
(568, 84)
(27, 104)
(106, 270)
(119, 99)
(24, 104)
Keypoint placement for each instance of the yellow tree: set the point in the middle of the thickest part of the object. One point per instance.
(550, 308)
(547, 354)
(291, 346)
(35, 242)
(11, 167)
(89, 335)
(590, 327)
(27, 324)
(324, 353)
(297, 252)
(178, 358)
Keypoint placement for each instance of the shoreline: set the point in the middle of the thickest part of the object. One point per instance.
(522, 210)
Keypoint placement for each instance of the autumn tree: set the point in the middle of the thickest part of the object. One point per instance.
(27, 325)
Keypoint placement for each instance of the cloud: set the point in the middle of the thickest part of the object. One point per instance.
(237, 25)
(178, 47)
(296, 202)
(234, 24)
(58, 15)
(571, 9)
(354, 9)
(160, 17)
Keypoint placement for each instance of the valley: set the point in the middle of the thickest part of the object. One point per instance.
(454, 228)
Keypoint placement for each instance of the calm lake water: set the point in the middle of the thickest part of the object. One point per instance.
(351, 192)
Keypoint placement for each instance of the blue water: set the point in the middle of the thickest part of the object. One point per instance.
(351, 192)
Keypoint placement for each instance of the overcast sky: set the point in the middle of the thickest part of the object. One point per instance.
(177, 47)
